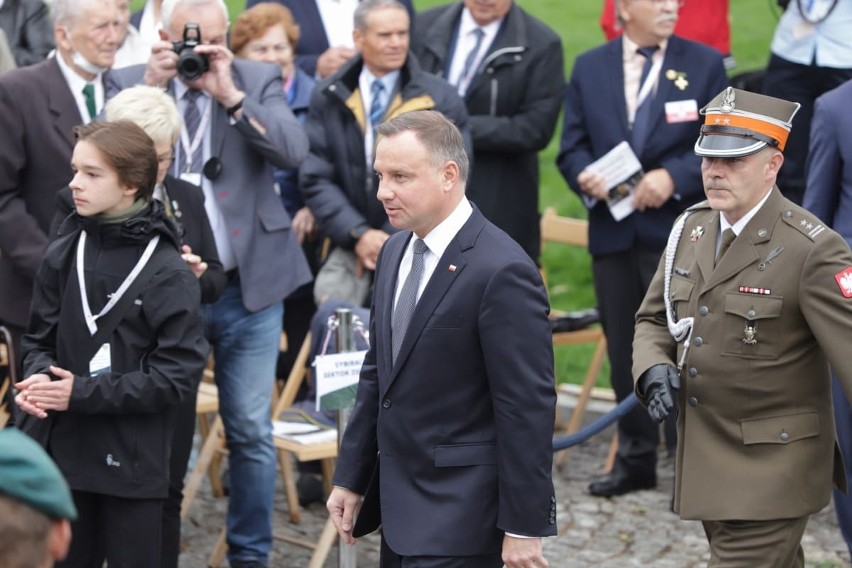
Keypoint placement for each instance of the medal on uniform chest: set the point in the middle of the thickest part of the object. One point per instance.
(678, 78)
(750, 333)
(696, 234)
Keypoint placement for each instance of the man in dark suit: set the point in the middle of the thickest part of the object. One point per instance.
(41, 105)
(450, 437)
(324, 45)
(645, 87)
(507, 65)
(28, 30)
(828, 195)
(238, 127)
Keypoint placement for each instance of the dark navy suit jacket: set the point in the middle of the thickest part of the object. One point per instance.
(454, 439)
(596, 121)
(313, 40)
(829, 190)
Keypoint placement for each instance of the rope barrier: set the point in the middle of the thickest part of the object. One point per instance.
(598, 425)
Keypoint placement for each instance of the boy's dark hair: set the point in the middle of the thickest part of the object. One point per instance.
(127, 148)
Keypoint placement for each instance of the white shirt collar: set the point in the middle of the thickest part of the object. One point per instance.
(467, 24)
(440, 237)
(740, 225)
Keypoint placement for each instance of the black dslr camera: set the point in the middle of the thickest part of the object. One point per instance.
(190, 65)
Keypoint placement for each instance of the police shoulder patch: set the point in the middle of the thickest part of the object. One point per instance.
(804, 222)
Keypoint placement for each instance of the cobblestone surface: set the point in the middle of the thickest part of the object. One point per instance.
(637, 529)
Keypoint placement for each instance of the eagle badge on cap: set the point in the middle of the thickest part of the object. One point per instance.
(728, 100)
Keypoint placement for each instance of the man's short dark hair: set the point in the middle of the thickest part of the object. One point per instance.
(435, 131)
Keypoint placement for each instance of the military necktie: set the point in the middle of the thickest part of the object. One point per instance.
(643, 111)
(407, 298)
(728, 236)
(89, 93)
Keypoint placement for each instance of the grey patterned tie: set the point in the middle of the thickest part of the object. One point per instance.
(461, 82)
(192, 120)
(407, 298)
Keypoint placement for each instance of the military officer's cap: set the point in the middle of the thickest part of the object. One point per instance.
(740, 123)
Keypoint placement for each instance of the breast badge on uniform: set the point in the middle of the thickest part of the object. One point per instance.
(844, 280)
(696, 233)
(750, 333)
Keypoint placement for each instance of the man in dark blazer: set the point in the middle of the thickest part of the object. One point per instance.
(28, 30)
(512, 89)
(244, 128)
(314, 54)
(450, 437)
(828, 195)
(601, 103)
(41, 106)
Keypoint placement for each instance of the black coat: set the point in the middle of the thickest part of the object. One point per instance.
(513, 102)
(115, 437)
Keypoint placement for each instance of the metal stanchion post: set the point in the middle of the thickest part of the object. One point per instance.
(347, 557)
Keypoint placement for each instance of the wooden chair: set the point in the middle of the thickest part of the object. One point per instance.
(574, 232)
(287, 450)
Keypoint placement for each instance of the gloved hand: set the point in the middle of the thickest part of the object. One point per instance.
(660, 384)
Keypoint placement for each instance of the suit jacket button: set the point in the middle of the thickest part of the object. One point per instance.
(386, 403)
(693, 401)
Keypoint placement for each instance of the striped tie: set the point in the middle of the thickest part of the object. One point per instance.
(643, 111)
(377, 109)
(192, 119)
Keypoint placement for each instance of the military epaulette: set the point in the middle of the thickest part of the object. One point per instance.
(699, 206)
(806, 223)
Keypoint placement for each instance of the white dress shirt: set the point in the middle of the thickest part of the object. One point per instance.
(466, 41)
(76, 84)
(337, 20)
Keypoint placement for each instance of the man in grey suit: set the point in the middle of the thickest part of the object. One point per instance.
(237, 127)
(41, 106)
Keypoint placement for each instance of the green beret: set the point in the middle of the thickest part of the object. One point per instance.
(28, 475)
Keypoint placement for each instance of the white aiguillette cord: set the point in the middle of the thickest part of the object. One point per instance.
(681, 329)
(81, 279)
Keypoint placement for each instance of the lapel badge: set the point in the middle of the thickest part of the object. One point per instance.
(696, 234)
(769, 258)
(678, 78)
(452, 268)
(750, 333)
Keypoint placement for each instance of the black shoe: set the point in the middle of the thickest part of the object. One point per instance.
(621, 483)
(247, 564)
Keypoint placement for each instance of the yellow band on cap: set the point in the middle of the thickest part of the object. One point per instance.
(774, 131)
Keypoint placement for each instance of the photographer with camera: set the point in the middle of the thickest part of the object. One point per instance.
(237, 127)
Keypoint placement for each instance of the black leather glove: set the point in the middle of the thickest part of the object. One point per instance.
(660, 384)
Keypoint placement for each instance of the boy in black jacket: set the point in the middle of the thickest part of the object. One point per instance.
(113, 344)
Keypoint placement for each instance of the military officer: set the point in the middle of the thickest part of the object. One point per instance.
(739, 332)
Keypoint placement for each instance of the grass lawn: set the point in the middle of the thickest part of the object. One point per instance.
(576, 21)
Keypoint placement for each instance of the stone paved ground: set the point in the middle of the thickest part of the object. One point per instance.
(632, 530)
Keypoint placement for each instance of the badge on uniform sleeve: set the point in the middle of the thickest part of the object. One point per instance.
(844, 280)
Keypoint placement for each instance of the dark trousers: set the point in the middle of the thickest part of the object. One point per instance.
(181, 448)
(756, 544)
(15, 333)
(801, 84)
(621, 281)
(390, 559)
(843, 423)
(124, 532)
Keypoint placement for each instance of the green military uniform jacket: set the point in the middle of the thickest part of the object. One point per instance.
(756, 436)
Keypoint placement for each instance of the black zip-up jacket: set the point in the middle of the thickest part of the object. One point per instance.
(115, 437)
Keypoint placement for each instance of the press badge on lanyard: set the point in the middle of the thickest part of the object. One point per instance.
(102, 361)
